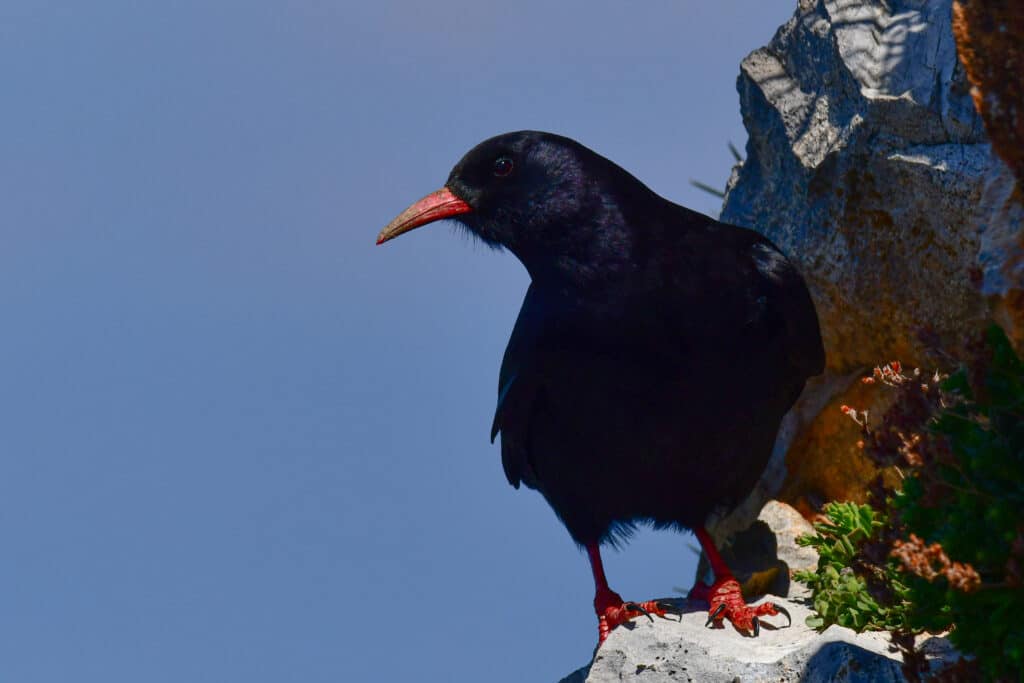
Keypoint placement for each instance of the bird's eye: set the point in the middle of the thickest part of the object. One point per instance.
(502, 166)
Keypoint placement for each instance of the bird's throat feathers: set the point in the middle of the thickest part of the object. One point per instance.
(563, 233)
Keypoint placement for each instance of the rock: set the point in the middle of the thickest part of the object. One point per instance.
(866, 160)
(1001, 258)
(869, 166)
(825, 463)
(665, 650)
(765, 554)
(786, 524)
(990, 38)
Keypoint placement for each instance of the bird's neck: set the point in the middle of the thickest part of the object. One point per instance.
(581, 270)
(593, 256)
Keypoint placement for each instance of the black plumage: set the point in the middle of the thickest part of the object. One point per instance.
(656, 350)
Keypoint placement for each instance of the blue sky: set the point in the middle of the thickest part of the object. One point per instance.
(239, 441)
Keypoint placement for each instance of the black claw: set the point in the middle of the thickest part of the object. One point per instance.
(638, 608)
(714, 615)
(784, 612)
(757, 627)
(670, 608)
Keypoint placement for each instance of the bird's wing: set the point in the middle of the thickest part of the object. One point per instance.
(791, 302)
(730, 287)
(518, 384)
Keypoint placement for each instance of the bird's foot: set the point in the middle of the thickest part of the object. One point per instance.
(726, 602)
(613, 611)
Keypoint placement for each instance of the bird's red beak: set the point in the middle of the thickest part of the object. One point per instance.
(433, 207)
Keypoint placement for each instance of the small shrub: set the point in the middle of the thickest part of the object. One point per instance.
(944, 551)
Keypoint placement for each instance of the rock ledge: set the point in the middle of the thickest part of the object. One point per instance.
(687, 651)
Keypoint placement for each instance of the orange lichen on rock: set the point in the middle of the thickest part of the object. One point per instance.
(828, 461)
(1008, 311)
(825, 462)
(990, 40)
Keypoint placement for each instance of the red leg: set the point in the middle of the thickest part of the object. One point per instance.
(724, 595)
(608, 605)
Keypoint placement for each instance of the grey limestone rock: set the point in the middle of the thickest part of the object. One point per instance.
(685, 650)
(786, 525)
(676, 651)
(866, 164)
(765, 554)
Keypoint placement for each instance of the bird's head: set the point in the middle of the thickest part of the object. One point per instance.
(551, 201)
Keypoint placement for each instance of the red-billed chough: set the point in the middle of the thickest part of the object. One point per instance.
(654, 356)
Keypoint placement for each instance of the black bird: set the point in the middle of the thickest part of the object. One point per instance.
(654, 356)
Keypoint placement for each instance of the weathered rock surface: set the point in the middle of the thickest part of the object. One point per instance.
(764, 555)
(675, 651)
(868, 164)
(1001, 231)
(990, 38)
(685, 650)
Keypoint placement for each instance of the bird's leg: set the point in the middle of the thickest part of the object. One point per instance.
(610, 608)
(724, 595)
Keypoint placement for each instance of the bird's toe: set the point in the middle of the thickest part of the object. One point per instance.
(727, 604)
(616, 615)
